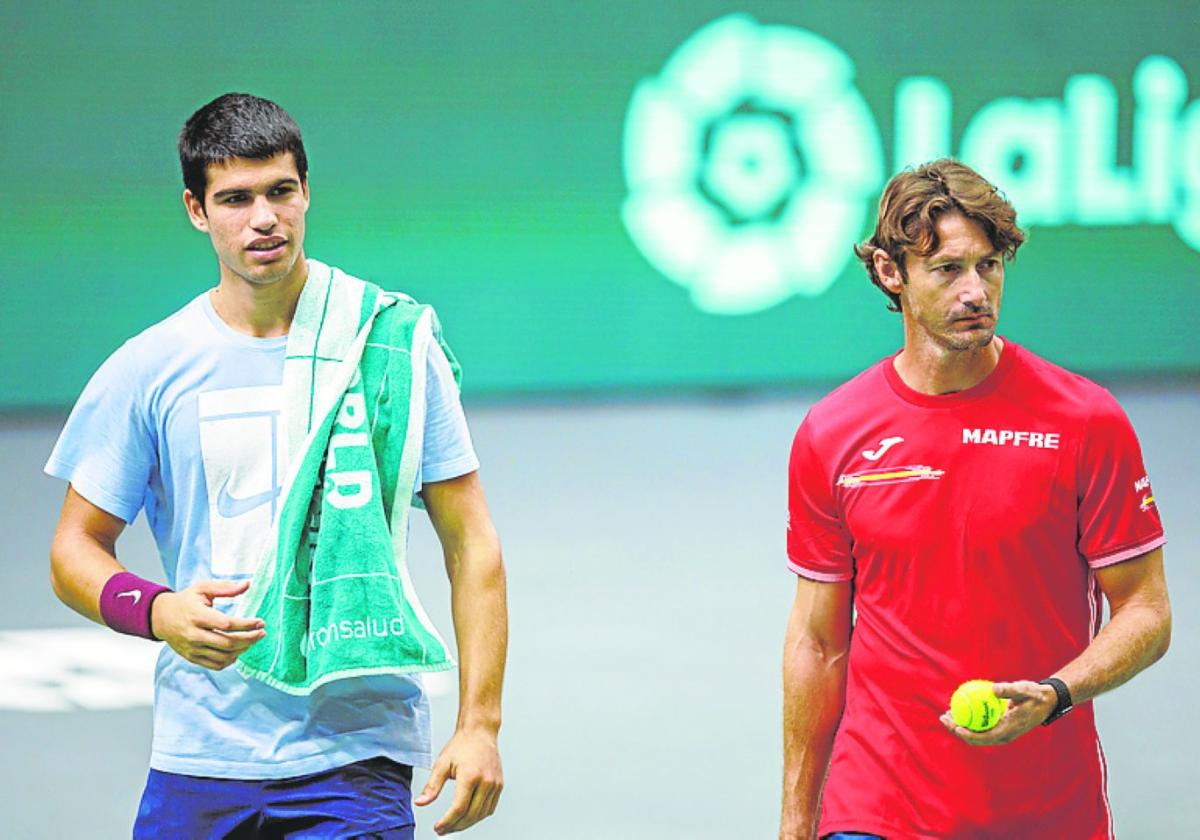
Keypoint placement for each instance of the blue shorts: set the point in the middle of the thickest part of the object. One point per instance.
(369, 799)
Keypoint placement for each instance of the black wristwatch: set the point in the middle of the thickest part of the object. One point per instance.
(1064, 703)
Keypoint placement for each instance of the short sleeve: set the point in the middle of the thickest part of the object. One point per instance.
(1118, 515)
(107, 449)
(447, 452)
(818, 545)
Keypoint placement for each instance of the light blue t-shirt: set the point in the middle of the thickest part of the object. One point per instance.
(191, 403)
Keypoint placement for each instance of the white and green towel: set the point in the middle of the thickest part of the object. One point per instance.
(333, 585)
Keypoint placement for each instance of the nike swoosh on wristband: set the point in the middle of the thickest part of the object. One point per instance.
(230, 506)
(135, 594)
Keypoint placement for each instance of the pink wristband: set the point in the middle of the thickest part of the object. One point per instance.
(125, 604)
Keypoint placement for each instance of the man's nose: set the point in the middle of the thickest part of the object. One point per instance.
(971, 290)
(263, 217)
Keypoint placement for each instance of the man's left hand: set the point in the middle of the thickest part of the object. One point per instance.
(1029, 705)
(472, 759)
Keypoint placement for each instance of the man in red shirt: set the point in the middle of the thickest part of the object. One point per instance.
(955, 512)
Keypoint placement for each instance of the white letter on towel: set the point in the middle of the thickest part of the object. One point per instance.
(357, 480)
(353, 411)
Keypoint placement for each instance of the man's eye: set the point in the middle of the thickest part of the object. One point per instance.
(281, 190)
(234, 199)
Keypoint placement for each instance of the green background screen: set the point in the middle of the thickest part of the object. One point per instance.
(474, 156)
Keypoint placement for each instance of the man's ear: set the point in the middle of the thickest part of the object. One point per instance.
(888, 271)
(195, 211)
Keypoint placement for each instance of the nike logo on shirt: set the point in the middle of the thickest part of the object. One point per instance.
(884, 446)
(230, 506)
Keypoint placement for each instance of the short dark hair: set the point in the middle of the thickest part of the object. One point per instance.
(914, 201)
(236, 125)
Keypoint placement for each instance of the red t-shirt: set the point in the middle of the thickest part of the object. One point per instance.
(970, 524)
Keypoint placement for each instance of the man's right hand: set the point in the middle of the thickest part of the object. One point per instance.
(188, 622)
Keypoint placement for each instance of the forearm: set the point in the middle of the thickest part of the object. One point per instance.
(814, 694)
(80, 565)
(1134, 638)
(480, 612)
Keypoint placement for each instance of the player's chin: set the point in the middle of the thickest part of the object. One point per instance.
(971, 335)
(268, 273)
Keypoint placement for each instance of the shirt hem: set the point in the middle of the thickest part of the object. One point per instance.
(95, 494)
(887, 830)
(822, 577)
(1127, 553)
(253, 770)
(449, 469)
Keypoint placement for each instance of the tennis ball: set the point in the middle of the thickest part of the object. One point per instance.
(975, 706)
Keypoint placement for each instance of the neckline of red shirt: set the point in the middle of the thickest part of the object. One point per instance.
(1008, 359)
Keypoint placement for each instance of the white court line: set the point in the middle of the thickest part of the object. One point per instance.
(67, 669)
(85, 668)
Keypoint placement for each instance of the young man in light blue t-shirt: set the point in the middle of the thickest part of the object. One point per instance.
(184, 421)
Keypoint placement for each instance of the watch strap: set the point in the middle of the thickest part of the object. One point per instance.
(1064, 704)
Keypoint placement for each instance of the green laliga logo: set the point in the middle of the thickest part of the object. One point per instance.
(751, 160)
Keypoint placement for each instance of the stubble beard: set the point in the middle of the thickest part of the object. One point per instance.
(966, 342)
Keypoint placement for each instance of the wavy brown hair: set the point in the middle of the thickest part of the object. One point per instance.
(914, 201)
